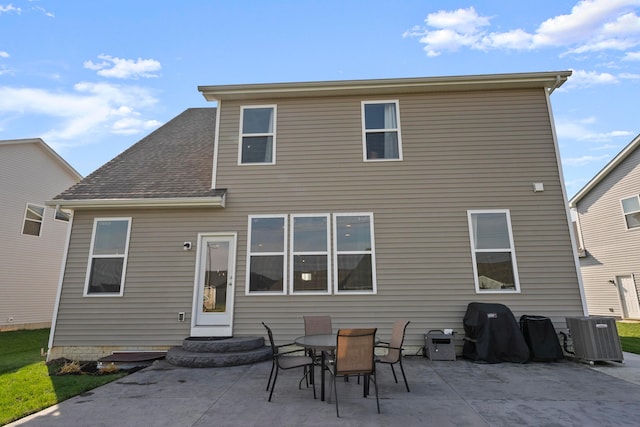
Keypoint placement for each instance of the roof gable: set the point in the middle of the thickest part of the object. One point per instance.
(58, 160)
(604, 172)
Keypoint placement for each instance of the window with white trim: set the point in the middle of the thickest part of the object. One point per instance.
(381, 130)
(267, 248)
(354, 260)
(62, 215)
(33, 216)
(108, 255)
(257, 135)
(310, 261)
(631, 210)
(492, 250)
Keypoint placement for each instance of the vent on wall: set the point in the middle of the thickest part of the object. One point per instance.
(595, 339)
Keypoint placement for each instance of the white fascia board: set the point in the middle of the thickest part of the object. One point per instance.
(213, 202)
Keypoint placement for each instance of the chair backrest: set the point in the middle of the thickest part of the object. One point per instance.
(397, 338)
(354, 351)
(317, 325)
(274, 349)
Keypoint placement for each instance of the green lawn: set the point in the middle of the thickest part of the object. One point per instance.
(26, 385)
(629, 336)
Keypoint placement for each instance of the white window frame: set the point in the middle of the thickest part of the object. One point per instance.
(25, 219)
(365, 131)
(510, 250)
(337, 252)
(284, 255)
(124, 256)
(292, 254)
(62, 212)
(272, 134)
(624, 214)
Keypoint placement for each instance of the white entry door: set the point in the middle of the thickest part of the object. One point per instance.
(214, 286)
(629, 297)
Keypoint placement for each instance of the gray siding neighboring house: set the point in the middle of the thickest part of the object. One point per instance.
(33, 240)
(608, 219)
(358, 199)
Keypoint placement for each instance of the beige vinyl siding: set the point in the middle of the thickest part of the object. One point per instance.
(463, 150)
(29, 265)
(612, 250)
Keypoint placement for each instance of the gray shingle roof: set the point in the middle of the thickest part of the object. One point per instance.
(174, 161)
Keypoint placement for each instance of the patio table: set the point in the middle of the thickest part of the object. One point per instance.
(322, 343)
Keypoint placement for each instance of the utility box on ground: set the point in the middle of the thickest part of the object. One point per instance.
(439, 346)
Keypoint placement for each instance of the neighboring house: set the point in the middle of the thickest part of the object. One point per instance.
(608, 220)
(367, 200)
(33, 236)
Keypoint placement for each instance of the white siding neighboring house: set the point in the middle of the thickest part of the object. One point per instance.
(33, 237)
(608, 219)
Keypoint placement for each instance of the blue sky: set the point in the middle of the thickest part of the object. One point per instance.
(93, 77)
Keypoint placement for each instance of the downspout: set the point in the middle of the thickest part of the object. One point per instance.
(556, 85)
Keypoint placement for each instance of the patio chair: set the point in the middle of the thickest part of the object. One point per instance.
(287, 360)
(355, 356)
(394, 349)
(317, 325)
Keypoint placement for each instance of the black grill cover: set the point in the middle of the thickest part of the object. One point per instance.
(541, 337)
(492, 335)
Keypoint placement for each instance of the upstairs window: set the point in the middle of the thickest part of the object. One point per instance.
(381, 131)
(631, 209)
(33, 220)
(258, 135)
(108, 257)
(492, 250)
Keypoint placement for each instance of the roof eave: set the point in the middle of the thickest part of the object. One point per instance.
(182, 202)
(549, 80)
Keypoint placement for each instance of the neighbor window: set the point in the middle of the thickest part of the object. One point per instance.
(631, 209)
(108, 257)
(354, 262)
(258, 135)
(32, 224)
(266, 256)
(494, 261)
(381, 130)
(62, 215)
(310, 254)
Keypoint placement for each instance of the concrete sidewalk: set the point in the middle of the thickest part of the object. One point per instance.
(443, 393)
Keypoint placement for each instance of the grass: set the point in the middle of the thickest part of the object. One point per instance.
(629, 336)
(26, 381)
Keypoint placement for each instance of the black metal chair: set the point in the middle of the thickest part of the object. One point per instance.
(394, 349)
(287, 360)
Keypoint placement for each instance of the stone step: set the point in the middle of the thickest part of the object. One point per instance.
(222, 345)
(180, 357)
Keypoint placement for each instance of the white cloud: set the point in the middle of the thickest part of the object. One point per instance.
(584, 160)
(580, 130)
(582, 78)
(9, 8)
(124, 68)
(591, 25)
(3, 54)
(84, 114)
(132, 126)
(632, 56)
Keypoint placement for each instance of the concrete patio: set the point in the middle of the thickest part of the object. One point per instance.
(443, 393)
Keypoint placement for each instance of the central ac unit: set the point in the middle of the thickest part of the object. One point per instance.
(595, 339)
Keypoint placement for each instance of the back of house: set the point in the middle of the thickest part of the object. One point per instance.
(367, 200)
